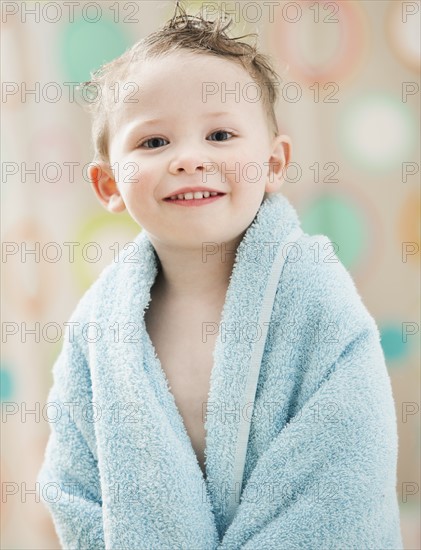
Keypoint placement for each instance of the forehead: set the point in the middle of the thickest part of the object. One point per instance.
(202, 63)
(185, 79)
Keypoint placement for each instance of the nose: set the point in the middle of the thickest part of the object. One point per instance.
(188, 160)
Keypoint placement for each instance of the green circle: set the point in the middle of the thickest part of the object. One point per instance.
(377, 132)
(392, 342)
(83, 275)
(85, 46)
(342, 222)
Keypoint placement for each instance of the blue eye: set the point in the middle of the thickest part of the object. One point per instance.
(220, 132)
(153, 140)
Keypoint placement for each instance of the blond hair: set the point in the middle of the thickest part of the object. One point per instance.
(193, 33)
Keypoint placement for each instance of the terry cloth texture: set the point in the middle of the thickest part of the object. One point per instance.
(320, 453)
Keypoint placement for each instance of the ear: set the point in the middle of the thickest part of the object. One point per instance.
(105, 186)
(279, 160)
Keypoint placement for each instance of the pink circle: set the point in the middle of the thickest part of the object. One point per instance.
(401, 20)
(35, 300)
(55, 145)
(353, 35)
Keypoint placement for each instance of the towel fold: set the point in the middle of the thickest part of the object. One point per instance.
(120, 471)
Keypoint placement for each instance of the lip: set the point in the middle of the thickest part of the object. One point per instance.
(183, 190)
(195, 202)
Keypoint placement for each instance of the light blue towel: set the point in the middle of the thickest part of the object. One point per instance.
(320, 464)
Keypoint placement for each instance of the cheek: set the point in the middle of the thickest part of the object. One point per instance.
(134, 179)
(246, 170)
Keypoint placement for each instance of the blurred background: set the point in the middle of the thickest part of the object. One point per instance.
(350, 101)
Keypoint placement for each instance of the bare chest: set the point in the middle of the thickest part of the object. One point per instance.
(185, 349)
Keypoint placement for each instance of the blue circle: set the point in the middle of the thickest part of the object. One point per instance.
(6, 383)
(86, 46)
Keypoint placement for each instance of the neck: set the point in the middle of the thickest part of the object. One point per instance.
(193, 274)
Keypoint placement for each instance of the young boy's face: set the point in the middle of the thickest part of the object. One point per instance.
(211, 133)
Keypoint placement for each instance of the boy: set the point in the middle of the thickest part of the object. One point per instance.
(215, 372)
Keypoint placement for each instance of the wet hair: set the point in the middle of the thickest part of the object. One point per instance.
(193, 33)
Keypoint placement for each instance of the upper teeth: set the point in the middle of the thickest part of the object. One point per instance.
(195, 195)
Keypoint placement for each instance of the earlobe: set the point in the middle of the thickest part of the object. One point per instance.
(105, 187)
(116, 203)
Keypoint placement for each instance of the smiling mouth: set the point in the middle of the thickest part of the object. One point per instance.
(196, 202)
(196, 196)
